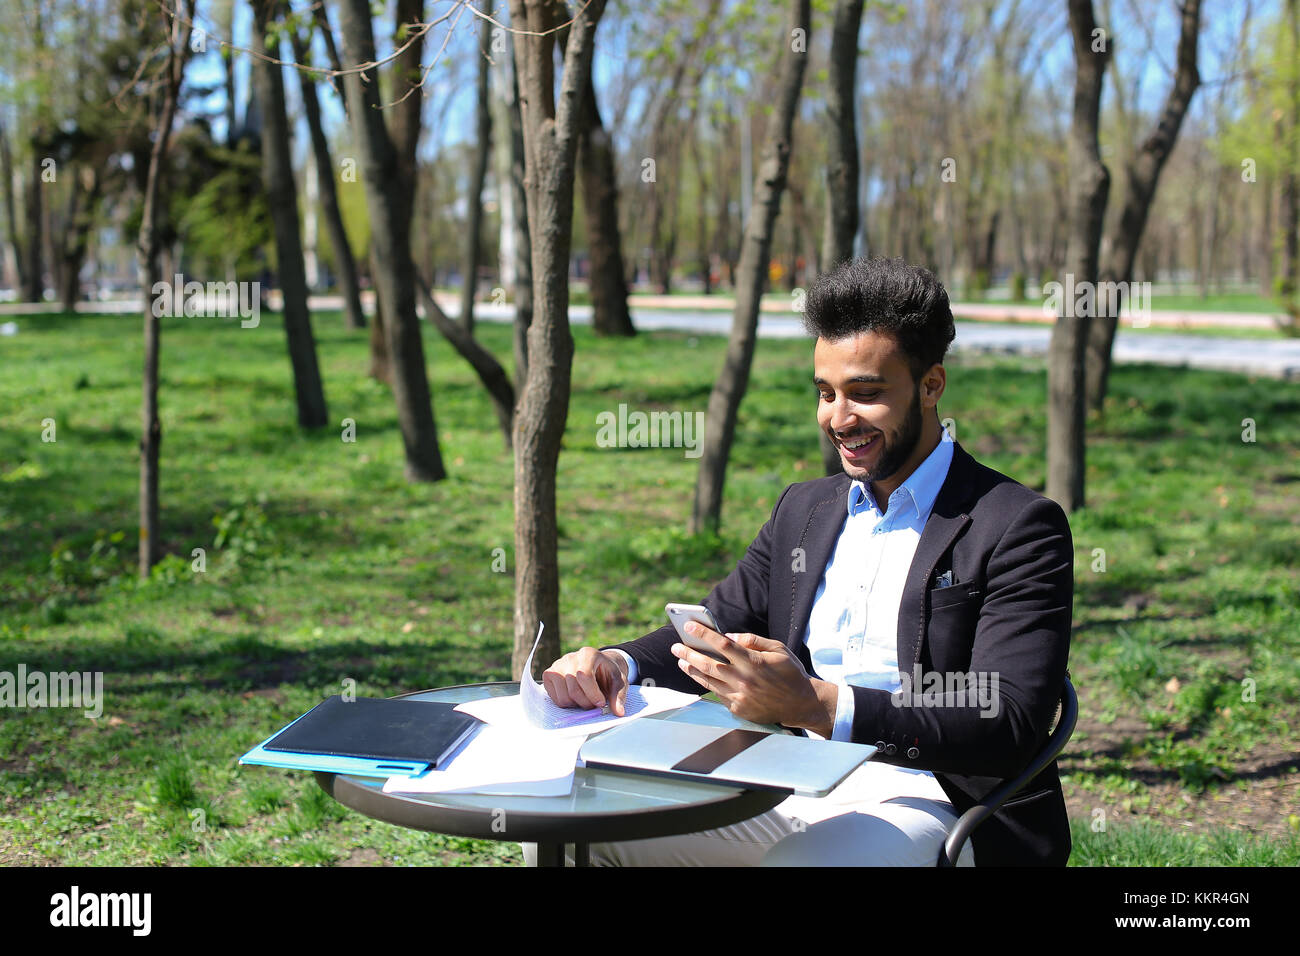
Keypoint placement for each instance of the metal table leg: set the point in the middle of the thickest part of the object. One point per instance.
(550, 854)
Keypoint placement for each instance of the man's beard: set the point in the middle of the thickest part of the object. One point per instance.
(894, 453)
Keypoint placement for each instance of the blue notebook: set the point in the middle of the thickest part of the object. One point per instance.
(368, 737)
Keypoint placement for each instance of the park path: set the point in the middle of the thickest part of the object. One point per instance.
(1275, 358)
(1027, 334)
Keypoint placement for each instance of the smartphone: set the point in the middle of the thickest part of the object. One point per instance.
(679, 614)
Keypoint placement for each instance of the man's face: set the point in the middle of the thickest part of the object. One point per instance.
(866, 394)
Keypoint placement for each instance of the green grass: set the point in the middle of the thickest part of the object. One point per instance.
(1250, 302)
(321, 565)
(1145, 844)
(1200, 331)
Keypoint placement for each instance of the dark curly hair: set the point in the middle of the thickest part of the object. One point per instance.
(883, 295)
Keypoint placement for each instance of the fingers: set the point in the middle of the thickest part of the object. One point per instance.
(588, 688)
(615, 688)
(697, 674)
(585, 680)
(555, 688)
(756, 643)
(722, 646)
(699, 667)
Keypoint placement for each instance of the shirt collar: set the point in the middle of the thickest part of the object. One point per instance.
(920, 488)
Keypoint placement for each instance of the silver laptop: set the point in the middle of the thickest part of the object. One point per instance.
(750, 759)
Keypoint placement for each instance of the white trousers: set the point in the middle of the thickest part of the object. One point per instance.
(881, 815)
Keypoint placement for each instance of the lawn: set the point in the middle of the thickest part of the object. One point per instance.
(321, 565)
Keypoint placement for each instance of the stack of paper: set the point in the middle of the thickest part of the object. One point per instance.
(530, 744)
(501, 760)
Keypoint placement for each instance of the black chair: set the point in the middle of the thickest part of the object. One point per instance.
(977, 814)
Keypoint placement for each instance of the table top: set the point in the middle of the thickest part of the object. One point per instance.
(604, 805)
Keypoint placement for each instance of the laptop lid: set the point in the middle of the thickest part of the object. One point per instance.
(752, 760)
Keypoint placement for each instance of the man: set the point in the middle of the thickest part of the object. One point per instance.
(920, 602)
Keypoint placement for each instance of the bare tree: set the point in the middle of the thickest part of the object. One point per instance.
(515, 247)
(610, 314)
(282, 200)
(35, 259)
(1089, 189)
(1289, 200)
(387, 161)
(478, 174)
(148, 275)
(551, 132)
(842, 160)
(769, 184)
(345, 263)
(842, 138)
(1141, 177)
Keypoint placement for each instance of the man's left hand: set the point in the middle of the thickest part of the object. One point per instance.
(759, 680)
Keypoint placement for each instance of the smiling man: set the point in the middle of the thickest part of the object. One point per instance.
(917, 565)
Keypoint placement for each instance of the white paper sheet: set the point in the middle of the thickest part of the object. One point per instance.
(533, 709)
(502, 761)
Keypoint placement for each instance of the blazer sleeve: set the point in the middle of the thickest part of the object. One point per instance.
(739, 603)
(1020, 647)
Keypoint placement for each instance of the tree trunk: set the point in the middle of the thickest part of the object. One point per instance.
(842, 161)
(521, 248)
(478, 175)
(1289, 200)
(1142, 176)
(1089, 189)
(388, 174)
(282, 201)
(345, 263)
(702, 216)
(842, 139)
(148, 274)
(769, 183)
(600, 207)
(35, 289)
(381, 366)
(551, 136)
(83, 200)
(11, 217)
(224, 14)
(513, 245)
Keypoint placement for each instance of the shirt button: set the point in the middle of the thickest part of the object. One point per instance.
(913, 753)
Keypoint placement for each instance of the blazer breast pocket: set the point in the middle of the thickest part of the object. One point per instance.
(954, 596)
(950, 627)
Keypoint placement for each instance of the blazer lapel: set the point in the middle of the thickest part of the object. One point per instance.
(947, 520)
(820, 532)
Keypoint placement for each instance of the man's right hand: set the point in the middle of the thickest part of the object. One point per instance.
(588, 678)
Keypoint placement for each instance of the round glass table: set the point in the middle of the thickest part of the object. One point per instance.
(603, 806)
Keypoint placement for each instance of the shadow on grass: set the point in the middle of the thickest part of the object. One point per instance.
(251, 661)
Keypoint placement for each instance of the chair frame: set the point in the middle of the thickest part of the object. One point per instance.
(977, 814)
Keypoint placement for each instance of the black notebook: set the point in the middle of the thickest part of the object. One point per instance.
(377, 729)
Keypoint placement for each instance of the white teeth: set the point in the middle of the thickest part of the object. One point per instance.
(858, 444)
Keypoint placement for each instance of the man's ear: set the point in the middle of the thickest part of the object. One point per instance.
(932, 384)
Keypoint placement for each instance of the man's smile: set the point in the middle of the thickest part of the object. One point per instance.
(859, 446)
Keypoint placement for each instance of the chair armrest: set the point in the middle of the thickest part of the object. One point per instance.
(977, 814)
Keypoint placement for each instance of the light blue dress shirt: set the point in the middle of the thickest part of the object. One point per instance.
(852, 629)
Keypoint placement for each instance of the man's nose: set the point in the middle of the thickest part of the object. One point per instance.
(842, 415)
